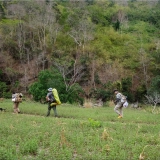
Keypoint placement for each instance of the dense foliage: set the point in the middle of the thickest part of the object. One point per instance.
(47, 79)
(94, 46)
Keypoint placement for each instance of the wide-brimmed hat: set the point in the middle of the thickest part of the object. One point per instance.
(49, 89)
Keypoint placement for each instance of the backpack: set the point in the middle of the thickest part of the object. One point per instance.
(17, 97)
(123, 99)
(56, 97)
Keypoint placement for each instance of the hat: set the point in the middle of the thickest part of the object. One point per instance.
(49, 89)
(115, 90)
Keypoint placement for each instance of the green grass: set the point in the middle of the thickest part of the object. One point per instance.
(79, 133)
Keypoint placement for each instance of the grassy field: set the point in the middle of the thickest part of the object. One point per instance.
(78, 133)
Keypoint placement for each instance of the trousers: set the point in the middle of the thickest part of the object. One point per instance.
(15, 107)
(54, 109)
(119, 108)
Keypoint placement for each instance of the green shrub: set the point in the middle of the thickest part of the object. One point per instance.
(7, 95)
(39, 88)
(93, 123)
(3, 88)
(155, 84)
(47, 79)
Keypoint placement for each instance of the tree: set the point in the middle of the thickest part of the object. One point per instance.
(155, 85)
(39, 88)
(53, 79)
(71, 73)
(144, 60)
(78, 38)
(47, 29)
(153, 99)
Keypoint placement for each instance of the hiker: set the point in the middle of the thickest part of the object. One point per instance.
(16, 99)
(120, 100)
(51, 102)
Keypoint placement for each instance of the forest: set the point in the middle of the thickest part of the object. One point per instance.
(83, 48)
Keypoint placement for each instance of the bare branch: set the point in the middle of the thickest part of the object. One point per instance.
(153, 99)
(74, 74)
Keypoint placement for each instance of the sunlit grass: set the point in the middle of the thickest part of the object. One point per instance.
(78, 133)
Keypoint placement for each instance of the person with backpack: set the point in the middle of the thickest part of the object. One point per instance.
(16, 99)
(51, 102)
(119, 103)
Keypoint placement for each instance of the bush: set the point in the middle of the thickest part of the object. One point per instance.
(3, 88)
(93, 123)
(102, 94)
(155, 85)
(7, 95)
(47, 79)
(39, 89)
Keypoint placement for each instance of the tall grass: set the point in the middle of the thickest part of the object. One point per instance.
(78, 133)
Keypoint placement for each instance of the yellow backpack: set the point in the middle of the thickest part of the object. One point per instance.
(56, 97)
